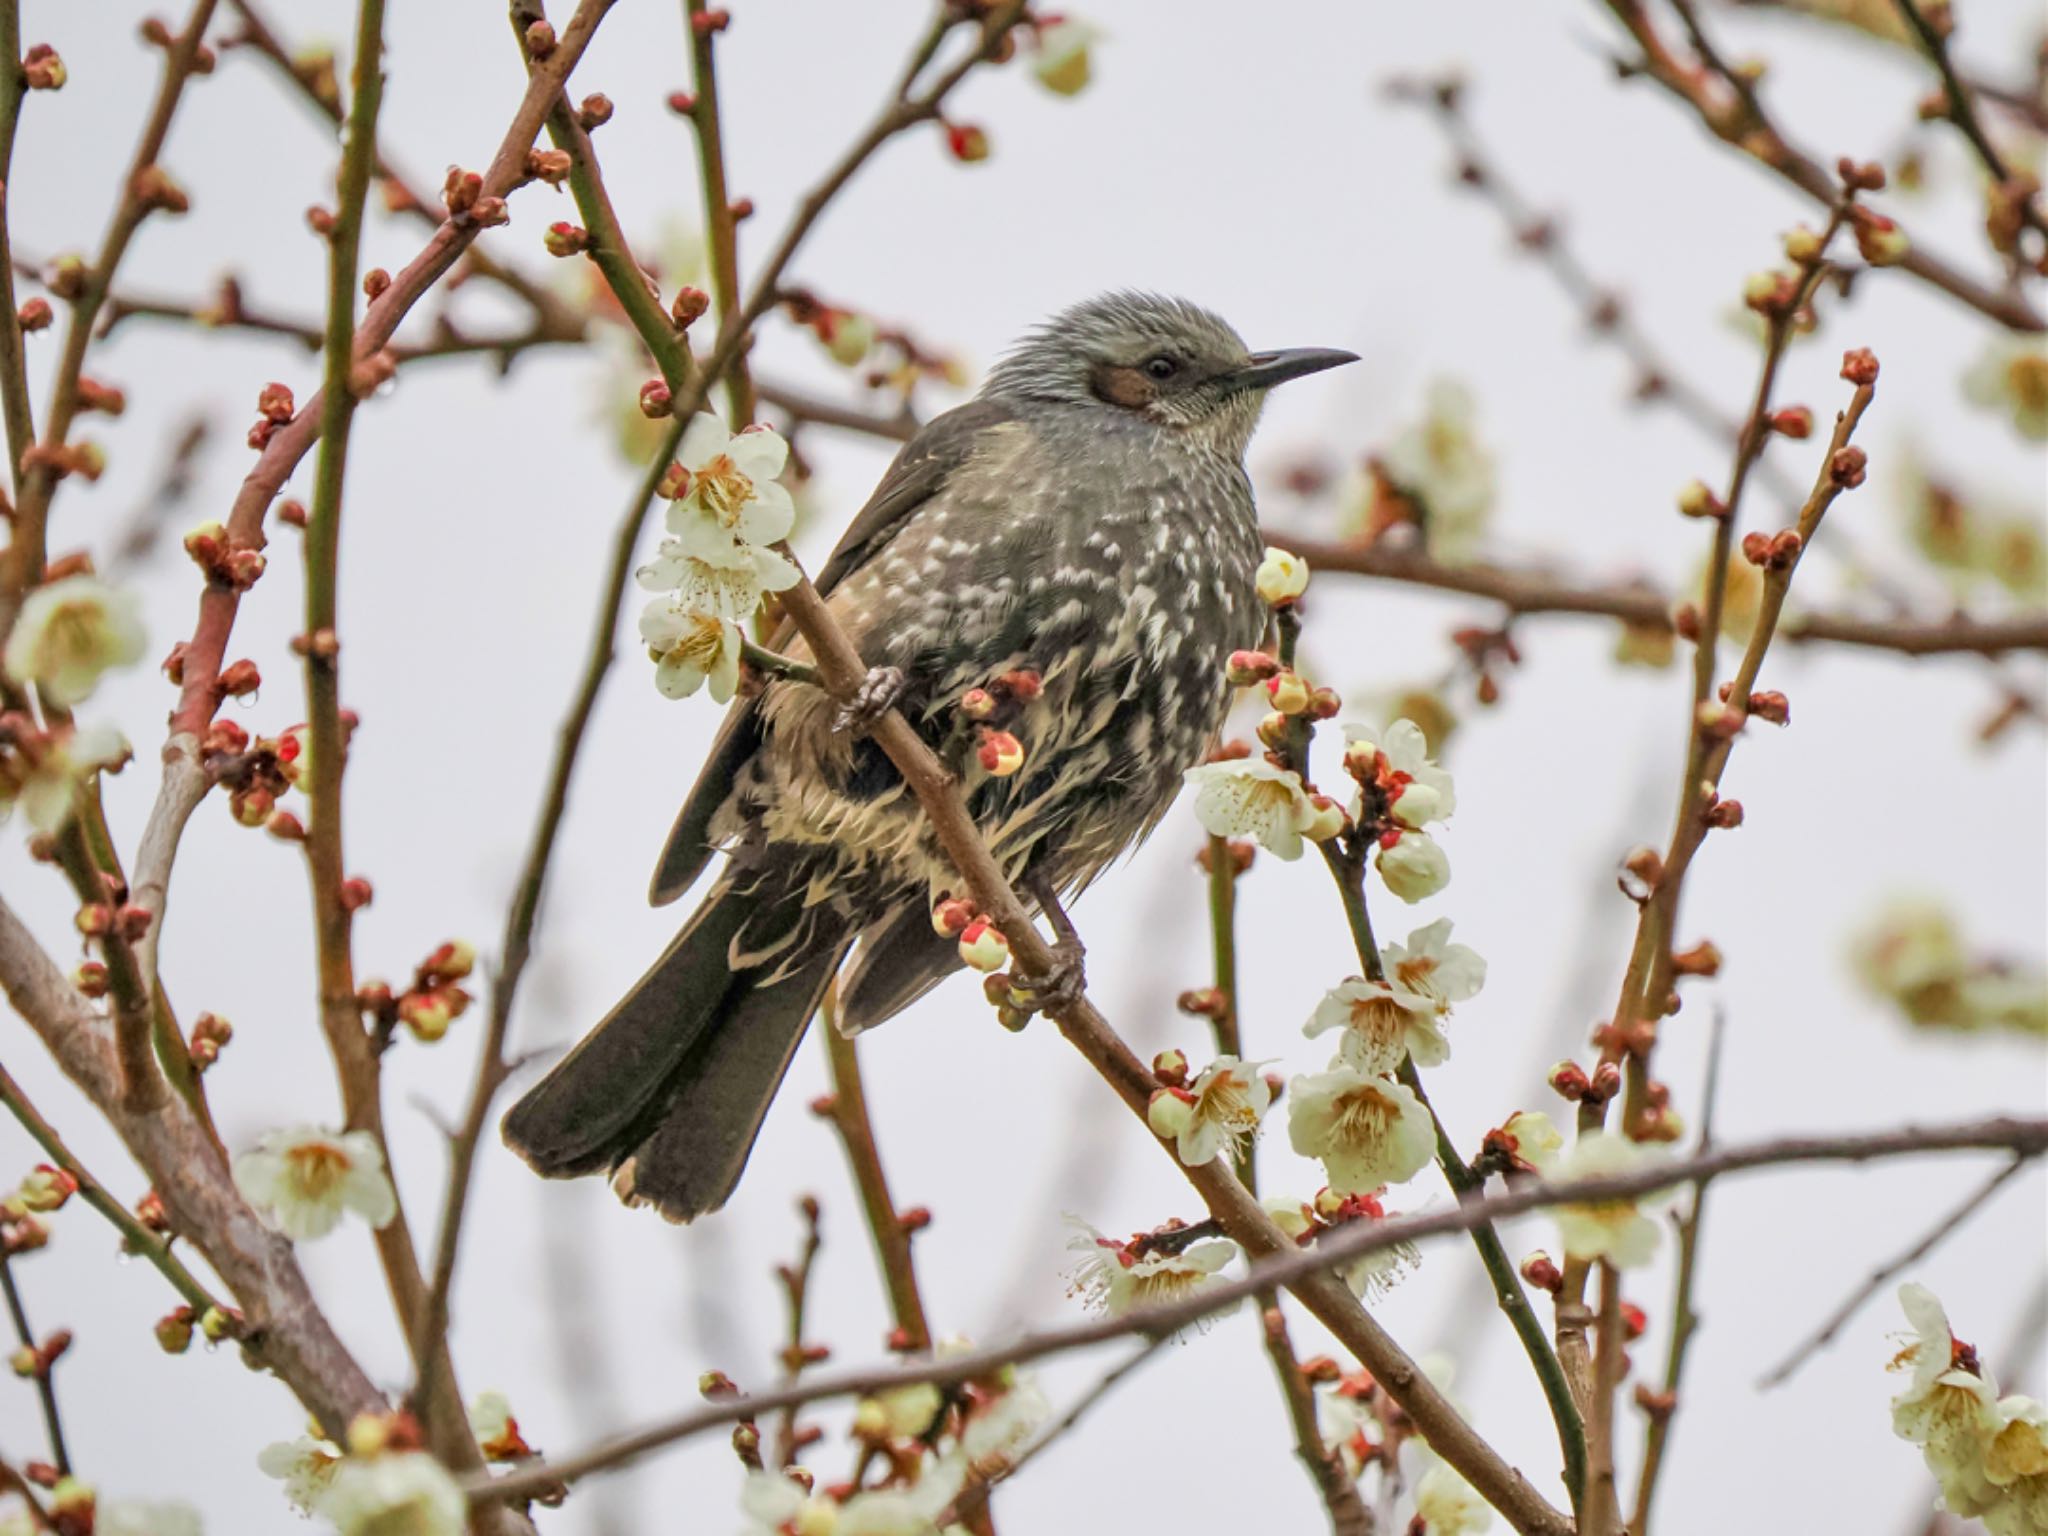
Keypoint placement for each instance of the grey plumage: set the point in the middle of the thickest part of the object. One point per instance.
(1086, 518)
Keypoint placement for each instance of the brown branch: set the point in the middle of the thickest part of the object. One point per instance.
(1640, 605)
(1925, 1244)
(282, 1327)
(1962, 109)
(720, 218)
(198, 695)
(15, 404)
(2022, 1137)
(1684, 1319)
(1602, 1503)
(1728, 107)
(140, 196)
(847, 1109)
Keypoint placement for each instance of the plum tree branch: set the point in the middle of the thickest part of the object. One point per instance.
(2024, 1138)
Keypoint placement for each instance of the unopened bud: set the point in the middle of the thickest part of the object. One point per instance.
(1248, 667)
(656, 401)
(1859, 366)
(1569, 1080)
(1698, 500)
(1771, 706)
(1703, 959)
(1170, 1111)
(1541, 1271)
(1288, 692)
(983, 947)
(1171, 1068)
(999, 753)
(565, 239)
(689, 307)
(1725, 814)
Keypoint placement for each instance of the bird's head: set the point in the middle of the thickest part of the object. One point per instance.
(1171, 362)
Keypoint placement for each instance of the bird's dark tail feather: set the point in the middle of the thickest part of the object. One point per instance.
(670, 1090)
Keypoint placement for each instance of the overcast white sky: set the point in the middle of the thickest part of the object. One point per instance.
(1242, 156)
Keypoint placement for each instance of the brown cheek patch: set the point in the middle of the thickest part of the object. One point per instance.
(1127, 387)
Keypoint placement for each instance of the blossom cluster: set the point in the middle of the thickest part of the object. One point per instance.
(69, 632)
(1356, 1117)
(1989, 1454)
(935, 1448)
(1913, 956)
(725, 508)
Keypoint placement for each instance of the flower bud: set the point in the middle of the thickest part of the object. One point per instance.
(1282, 577)
(983, 947)
(1272, 731)
(1171, 1068)
(1288, 692)
(1169, 1112)
(1698, 500)
(967, 143)
(1569, 1081)
(1329, 821)
(689, 307)
(426, 1014)
(46, 1188)
(565, 239)
(174, 1331)
(1703, 959)
(1248, 667)
(1541, 1271)
(999, 753)
(1794, 421)
(1859, 366)
(1414, 867)
(1771, 706)
(977, 703)
(1802, 245)
(951, 916)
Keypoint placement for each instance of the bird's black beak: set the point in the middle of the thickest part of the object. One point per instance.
(1269, 368)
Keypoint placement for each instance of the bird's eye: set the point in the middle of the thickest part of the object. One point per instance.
(1161, 367)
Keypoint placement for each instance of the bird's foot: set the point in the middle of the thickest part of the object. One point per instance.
(871, 700)
(1062, 986)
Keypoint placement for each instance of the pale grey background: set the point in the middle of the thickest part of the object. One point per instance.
(1240, 155)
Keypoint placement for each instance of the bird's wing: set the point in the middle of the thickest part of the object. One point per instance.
(917, 474)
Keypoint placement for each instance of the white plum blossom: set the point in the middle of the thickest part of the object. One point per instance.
(732, 483)
(303, 1179)
(690, 650)
(1282, 577)
(1536, 1140)
(405, 1493)
(996, 1435)
(1366, 1130)
(912, 1511)
(1063, 65)
(2012, 377)
(773, 1504)
(1115, 1278)
(1950, 1405)
(2017, 1466)
(1413, 868)
(715, 576)
(1440, 463)
(1447, 1505)
(45, 784)
(1249, 797)
(1616, 1230)
(68, 632)
(1445, 973)
(1396, 776)
(1382, 1023)
(1229, 1099)
(306, 1466)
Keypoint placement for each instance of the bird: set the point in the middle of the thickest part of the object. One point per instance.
(1079, 542)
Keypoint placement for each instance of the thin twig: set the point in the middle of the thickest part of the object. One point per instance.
(1640, 605)
(847, 1109)
(1601, 1507)
(796, 1290)
(2022, 1137)
(1962, 108)
(515, 949)
(1684, 1319)
(1925, 1244)
(1727, 105)
(135, 1237)
(45, 1373)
